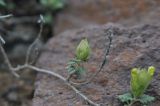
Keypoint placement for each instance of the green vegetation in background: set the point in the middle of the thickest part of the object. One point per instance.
(50, 6)
(53, 4)
(48, 18)
(2, 3)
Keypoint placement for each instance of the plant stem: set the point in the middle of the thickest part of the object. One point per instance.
(133, 101)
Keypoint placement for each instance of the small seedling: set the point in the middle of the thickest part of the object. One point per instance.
(75, 66)
(140, 80)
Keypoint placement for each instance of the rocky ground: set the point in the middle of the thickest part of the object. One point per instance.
(132, 47)
(87, 15)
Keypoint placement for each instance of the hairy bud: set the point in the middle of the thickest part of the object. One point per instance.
(83, 50)
(140, 79)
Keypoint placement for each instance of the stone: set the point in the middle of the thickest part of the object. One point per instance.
(80, 13)
(136, 46)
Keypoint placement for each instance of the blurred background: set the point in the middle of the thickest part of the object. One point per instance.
(60, 15)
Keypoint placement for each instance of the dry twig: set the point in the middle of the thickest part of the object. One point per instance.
(2, 40)
(5, 16)
(30, 48)
(28, 66)
(8, 62)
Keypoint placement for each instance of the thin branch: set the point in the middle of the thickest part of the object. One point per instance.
(2, 40)
(25, 66)
(41, 21)
(5, 16)
(3, 51)
(60, 77)
(105, 60)
(36, 52)
(8, 62)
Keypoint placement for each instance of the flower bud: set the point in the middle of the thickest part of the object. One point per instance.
(83, 50)
(140, 79)
(151, 70)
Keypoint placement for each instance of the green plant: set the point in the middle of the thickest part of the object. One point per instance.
(53, 4)
(75, 66)
(9, 5)
(48, 18)
(140, 80)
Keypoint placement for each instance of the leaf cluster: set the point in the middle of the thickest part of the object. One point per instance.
(128, 99)
(74, 67)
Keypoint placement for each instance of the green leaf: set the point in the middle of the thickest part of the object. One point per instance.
(71, 63)
(44, 2)
(73, 67)
(125, 98)
(48, 18)
(81, 70)
(57, 4)
(75, 60)
(145, 99)
(71, 70)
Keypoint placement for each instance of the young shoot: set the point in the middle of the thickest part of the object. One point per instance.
(140, 80)
(75, 66)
